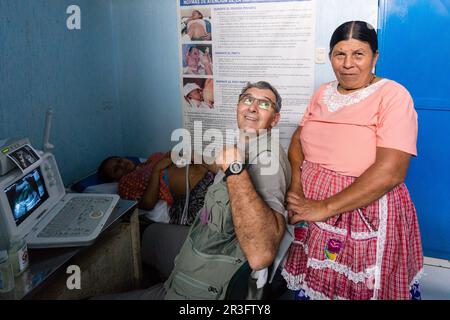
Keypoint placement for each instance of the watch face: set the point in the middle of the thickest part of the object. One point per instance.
(236, 167)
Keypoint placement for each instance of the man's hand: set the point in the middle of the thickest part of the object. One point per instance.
(302, 209)
(228, 154)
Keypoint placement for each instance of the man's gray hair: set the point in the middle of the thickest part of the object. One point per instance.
(265, 85)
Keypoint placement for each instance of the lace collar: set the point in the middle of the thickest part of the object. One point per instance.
(335, 100)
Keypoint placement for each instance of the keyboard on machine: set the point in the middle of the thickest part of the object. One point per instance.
(78, 217)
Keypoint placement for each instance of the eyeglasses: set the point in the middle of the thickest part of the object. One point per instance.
(248, 100)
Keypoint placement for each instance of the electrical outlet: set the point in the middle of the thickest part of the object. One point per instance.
(321, 55)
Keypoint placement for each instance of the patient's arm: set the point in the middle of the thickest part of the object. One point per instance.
(150, 196)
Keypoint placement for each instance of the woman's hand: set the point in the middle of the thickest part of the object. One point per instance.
(302, 209)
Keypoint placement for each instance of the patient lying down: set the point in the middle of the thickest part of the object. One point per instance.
(158, 178)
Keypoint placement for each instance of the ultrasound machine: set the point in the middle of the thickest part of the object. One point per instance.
(34, 204)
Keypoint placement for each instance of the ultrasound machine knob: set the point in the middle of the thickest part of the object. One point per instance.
(96, 214)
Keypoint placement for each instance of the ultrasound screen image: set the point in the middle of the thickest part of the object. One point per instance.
(26, 195)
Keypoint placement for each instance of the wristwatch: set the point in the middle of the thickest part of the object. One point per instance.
(236, 167)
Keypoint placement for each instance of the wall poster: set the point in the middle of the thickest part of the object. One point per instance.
(226, 43)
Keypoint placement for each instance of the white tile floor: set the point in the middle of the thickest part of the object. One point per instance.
(435, 283)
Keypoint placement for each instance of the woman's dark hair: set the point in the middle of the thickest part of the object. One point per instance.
(359, 30)
(101, 171)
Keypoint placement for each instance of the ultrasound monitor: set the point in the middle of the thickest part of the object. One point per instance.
(26, 195)
(34, 205)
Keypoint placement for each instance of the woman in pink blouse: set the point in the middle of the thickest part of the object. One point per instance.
(356, 229)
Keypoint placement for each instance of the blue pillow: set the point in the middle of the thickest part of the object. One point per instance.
(94, 179)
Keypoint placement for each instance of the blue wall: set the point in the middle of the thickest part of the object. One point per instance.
(44, 64)
(148, 64)
(414, 50)
(113, 85)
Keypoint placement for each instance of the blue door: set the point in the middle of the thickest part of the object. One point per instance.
(415, 51)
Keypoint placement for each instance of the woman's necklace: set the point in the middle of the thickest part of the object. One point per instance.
(365, 86)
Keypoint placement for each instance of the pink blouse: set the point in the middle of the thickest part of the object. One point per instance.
(341, 132)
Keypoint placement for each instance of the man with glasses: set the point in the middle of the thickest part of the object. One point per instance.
(256, 199)
(256, 202)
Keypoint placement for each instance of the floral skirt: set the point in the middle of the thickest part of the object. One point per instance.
(373, 252)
